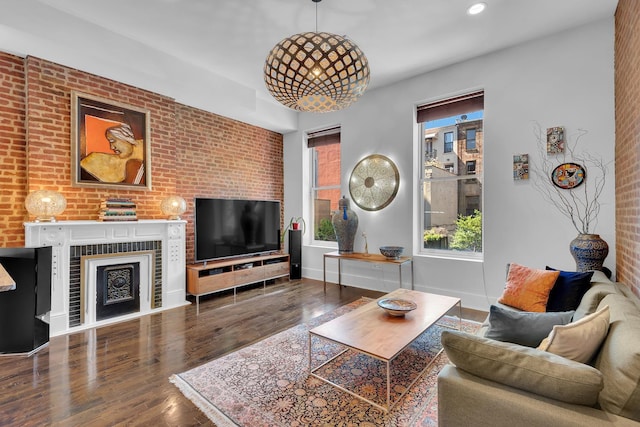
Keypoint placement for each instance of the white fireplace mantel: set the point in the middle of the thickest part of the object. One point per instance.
(64, 235)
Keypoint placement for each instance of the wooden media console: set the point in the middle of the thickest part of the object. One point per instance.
(216, 276)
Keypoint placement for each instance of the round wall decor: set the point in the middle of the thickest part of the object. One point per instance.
(374, 182)
(568, 175)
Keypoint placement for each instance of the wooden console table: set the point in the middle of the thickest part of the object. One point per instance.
(361, 257)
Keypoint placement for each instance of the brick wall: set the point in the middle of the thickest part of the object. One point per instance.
(13, 160)
(329, 173)
(220, 157)
(627, 95)
(193, 153)
(49, 88)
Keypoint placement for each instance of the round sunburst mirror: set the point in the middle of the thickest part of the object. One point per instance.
(374, 182)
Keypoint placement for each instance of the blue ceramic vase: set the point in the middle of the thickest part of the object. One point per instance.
(345, 225)
(589, 251)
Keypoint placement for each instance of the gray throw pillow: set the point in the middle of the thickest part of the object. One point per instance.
(523, 327)
(525, 368)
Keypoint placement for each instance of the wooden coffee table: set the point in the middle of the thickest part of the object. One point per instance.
(371, 331)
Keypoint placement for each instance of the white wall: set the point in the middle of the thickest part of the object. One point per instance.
(562, 80)
(31, 28)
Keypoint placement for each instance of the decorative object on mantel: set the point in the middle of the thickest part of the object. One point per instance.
(345, 225)
(316, 72)
(564, 184)
(118, 209)
(45, 205)
(374, 182)
(6, 281)
(392, 252)
(173, 206)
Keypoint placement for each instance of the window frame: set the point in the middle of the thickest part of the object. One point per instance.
(420, 221)
(475, 166)
(448, 144)
(475, 139)
(314, 187)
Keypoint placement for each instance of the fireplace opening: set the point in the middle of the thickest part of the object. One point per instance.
(117, 290)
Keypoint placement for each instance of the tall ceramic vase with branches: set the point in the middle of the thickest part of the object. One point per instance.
(580, 204)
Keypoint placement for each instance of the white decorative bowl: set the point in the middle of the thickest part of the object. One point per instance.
(392, 252)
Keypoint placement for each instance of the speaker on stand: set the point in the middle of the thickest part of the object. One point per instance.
(295, 254)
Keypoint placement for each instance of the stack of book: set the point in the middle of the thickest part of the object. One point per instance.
(118, 209)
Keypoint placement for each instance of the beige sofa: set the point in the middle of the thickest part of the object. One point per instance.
(502, 384)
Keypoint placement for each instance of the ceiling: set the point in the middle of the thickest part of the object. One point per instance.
(210, 53)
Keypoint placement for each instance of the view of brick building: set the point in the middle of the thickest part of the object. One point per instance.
(451, 151)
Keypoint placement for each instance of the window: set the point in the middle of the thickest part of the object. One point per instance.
(429, 150)
(451, 197)
(471, 167)
(471, 139)
(473, 204)
(325, 180)
(448, 142)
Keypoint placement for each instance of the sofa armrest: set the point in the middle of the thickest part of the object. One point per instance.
(525, 368)
(465, 399)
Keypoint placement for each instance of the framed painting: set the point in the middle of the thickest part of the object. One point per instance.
(555, 140)
(520, 167)
(110, 144)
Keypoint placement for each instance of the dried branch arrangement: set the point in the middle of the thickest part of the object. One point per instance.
(581, 204)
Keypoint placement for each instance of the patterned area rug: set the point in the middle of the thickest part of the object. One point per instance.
(268, 383)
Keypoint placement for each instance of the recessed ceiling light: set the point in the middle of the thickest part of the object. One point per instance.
(476, 8)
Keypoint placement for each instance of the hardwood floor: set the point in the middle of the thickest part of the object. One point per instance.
(118, 374)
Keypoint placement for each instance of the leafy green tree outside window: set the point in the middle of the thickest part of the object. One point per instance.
(325, 231)
(468, 234)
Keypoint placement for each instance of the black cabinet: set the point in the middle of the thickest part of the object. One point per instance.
(23, 328)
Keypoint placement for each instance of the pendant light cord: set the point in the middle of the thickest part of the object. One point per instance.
(316, 2)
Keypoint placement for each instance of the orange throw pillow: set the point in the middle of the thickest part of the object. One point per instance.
(527, 288)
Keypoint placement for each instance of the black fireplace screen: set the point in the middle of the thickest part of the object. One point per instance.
(117, 289)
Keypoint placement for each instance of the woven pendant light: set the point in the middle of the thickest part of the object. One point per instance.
(316, 72)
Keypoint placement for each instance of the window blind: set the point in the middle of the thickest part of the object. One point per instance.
(323, 137)
(450, 107)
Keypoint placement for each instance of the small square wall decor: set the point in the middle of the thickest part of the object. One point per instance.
(520, 167)
(555, 140)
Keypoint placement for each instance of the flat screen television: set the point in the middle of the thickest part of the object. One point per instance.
(226, 228)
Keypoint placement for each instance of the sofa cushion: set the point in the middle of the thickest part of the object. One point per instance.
(527, 288)
(600, 277)
(568, 290)
(619, 358)
(525, 368)
(578, 340)
(593, 297)
(522, 327)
